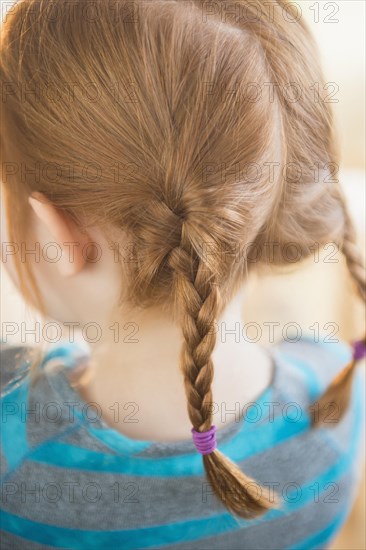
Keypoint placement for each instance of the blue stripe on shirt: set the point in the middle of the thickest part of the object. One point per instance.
(239, 448)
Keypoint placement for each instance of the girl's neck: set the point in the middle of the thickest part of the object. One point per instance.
(138, 385)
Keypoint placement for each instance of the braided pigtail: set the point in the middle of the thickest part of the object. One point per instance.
(339, 391)
(199, 299)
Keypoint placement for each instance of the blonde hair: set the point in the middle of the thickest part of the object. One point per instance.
(198, 106)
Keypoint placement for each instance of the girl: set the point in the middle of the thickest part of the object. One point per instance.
(155, 154)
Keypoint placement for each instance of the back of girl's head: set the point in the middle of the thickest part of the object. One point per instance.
(193, 130)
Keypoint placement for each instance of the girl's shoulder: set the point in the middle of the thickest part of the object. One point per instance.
(28, 401)
(311, 363)
(15, 363)
(304, 370)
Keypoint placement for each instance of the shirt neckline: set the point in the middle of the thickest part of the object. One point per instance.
(61, 360)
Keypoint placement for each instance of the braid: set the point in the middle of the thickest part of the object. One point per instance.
(199, 301)
(200, 312)
(339, 392)
(350, 250)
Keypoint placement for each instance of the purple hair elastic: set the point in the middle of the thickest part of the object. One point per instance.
(205, 442)
(359, 350)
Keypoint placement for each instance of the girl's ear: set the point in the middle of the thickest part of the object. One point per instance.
(63, 230)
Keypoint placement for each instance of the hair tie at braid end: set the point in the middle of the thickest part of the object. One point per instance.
(205, 442)
(359, 349)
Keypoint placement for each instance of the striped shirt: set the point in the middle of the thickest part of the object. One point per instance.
(69, 480)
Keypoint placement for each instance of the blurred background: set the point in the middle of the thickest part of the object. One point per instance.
(316, 292)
